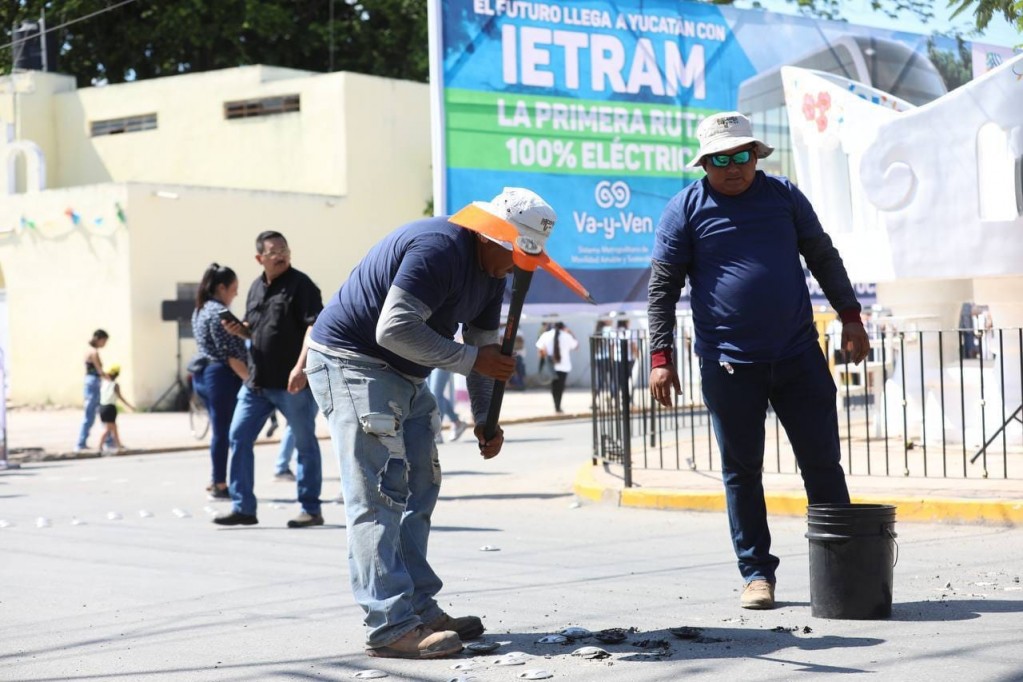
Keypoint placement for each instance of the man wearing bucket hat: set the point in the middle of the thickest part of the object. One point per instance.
(371, 350)
(738, 235)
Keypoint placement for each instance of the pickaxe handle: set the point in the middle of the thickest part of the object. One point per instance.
(520, 286)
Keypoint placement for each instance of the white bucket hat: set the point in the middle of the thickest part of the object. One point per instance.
(724, 131)
(528, 212)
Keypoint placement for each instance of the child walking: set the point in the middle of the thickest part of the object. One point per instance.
(109, 394)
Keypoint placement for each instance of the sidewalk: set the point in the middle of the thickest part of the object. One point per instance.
(35, 434)
(41, 434)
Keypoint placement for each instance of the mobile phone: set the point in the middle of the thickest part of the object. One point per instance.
(228, 316)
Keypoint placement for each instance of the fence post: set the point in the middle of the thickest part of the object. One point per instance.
(624, 379)
(643, 358)
(595, 397)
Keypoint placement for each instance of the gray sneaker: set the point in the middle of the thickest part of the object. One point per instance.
(305, 520)
(285, 475)
(421, 642)
(457, 430)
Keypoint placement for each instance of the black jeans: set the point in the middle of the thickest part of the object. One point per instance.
(802, 393)
(558, 388)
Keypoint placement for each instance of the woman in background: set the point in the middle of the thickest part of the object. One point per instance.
(93, 376)
(221, 368)
(556, 345)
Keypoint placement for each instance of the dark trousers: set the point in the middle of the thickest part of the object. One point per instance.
(218, 385)
(558, 388)
(802, 393)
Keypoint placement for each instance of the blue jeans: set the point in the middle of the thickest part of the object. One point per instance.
(217, 385)
(440, 381)
(250, 415)
(382, 427)
(91, 397)
(286, 452)
(802, 393)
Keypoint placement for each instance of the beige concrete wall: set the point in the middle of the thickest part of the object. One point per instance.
(388, 143)
(1004, 297)
(177, 235)
(26, 102)
(939, 302)
(926, 304)
(358, 136)
(62, 282)
(356, 159)
(306, 151)
(195, 144)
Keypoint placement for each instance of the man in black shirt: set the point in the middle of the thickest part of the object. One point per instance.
(282, 305)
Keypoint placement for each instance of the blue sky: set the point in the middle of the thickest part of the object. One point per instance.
(999, 32)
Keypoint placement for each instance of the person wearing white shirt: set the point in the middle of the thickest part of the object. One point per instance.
(556, 345)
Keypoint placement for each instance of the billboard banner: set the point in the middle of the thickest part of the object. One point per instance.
(594, 104)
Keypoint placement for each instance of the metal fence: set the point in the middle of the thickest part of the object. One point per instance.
(943, 404)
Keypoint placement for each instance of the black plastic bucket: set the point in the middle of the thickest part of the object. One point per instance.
(852, 554)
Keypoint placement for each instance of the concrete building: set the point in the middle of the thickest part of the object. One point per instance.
(118, 197)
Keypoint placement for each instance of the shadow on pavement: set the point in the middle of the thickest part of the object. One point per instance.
(509, 496)
(259, 669)
(475, 473)
(662, 645)
(639, 647)
(953, 609)
(18, 473)
(282, 527)
(531, 440)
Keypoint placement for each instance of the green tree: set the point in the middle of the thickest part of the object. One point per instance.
(1011, 10)
(955, 67)
(832, 9)
(150, 38)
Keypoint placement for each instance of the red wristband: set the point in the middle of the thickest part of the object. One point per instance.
(660, 358)
(850, 315)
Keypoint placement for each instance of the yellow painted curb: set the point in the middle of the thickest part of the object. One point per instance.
(981, 510)
(972, 511)
(586, 487)
(663, 498)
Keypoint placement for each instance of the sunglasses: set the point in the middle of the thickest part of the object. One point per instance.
(739, 158)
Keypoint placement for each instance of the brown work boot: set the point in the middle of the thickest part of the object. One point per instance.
(420, 643)
(467, 627)
(759, 594)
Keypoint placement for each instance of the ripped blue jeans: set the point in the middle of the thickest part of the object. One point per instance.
(382, 427)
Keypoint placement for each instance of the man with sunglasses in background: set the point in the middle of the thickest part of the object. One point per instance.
(738, 235)
(281, 307)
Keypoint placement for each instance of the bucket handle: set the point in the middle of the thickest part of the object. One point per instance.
(896, 542)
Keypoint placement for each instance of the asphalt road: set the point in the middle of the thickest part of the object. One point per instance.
(127, 579)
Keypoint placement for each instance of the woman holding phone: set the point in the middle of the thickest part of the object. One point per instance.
(220, 366)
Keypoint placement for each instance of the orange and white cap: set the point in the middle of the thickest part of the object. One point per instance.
(528, 212)
(521, 221)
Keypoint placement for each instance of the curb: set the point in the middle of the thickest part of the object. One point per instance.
(990, 511)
